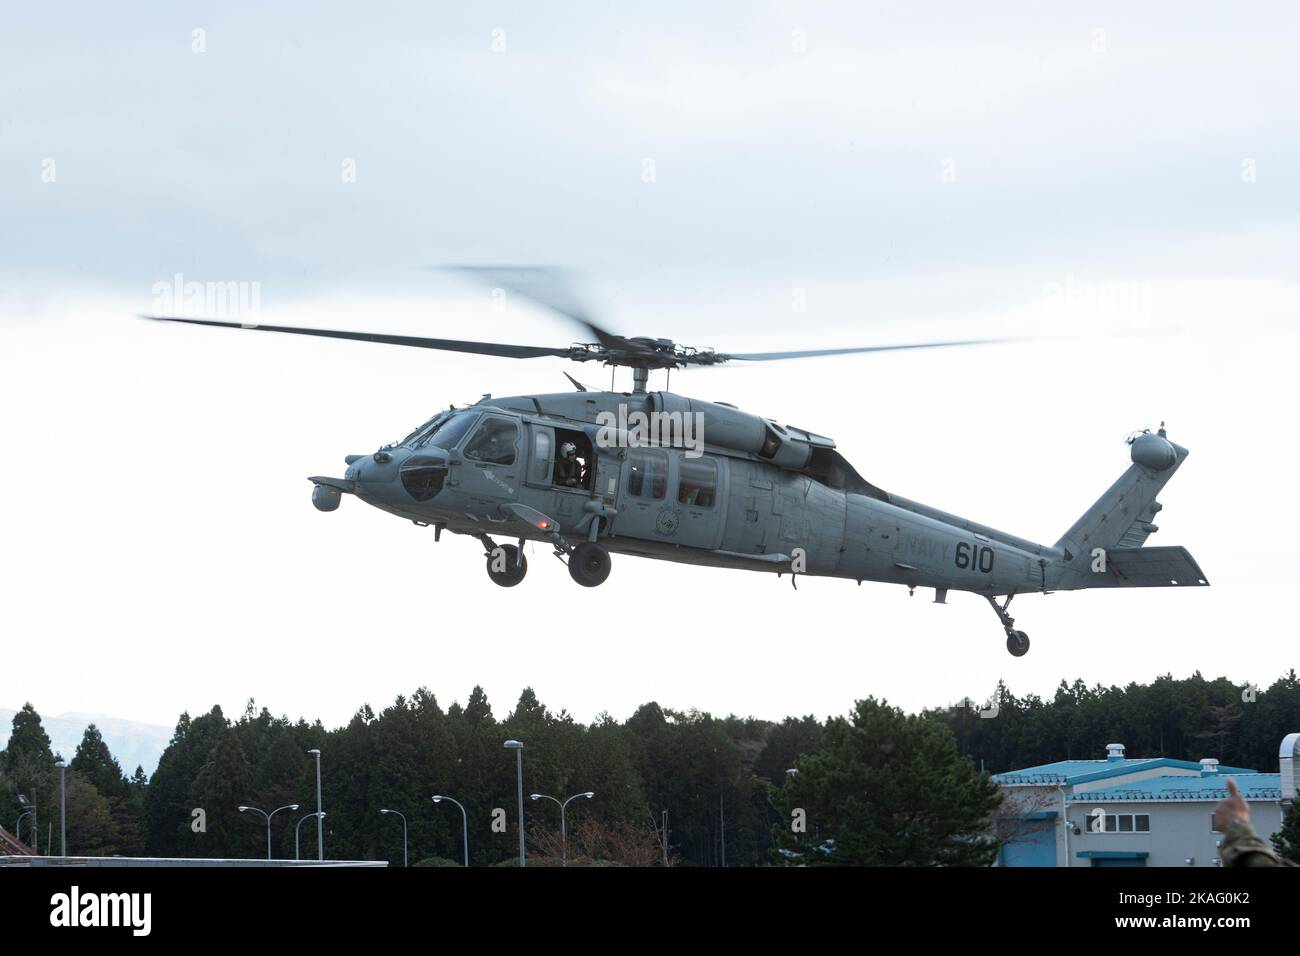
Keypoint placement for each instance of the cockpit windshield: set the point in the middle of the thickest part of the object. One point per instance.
(425, 428)
(443, 430)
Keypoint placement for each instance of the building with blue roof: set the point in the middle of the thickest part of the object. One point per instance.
(1125, 811)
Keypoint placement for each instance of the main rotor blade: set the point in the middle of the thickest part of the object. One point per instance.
(544, 286)
(445, 345)
(814, 353)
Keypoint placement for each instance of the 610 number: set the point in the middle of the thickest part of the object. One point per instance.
(976, 557)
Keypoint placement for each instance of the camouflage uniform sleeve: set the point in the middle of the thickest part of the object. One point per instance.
(1241, 846)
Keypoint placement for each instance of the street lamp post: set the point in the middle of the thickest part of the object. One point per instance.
(19, 824)
(292, 806)
(464, 820)
(320, 816)
(298, 829)
(564, 836)
(518, 748)
(790, 774)
(403, 816)
(63, 807)
(29, 807)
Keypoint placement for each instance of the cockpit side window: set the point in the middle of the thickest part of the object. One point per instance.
(494, 442)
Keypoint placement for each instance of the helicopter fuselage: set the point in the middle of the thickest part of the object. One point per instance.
(705, 502)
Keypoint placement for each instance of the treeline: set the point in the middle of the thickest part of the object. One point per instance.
(105, 809)
(1240, 725)
(875, 786)
(398, 758)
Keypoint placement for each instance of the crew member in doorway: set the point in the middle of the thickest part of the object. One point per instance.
(569, 469)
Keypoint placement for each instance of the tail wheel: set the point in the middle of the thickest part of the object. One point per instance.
(1017, 643)
(589, 564)
(506, 566)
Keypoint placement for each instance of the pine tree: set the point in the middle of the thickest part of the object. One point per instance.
(887, 789)
(168, 820)
(785, 743)
(29, 744)
(122, 832)
(223, 785)
(94, 761)
(91, 827)
(28, 763)
(478, 710)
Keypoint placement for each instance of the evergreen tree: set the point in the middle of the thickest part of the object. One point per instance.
(28, 764)
(477, 710)
(123, 833)
(94, 762)
(29, 744)
(224, 783)
(888, 789)
(169, 818)
(785, 744)
(92, 829)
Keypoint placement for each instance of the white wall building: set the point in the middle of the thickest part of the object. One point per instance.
(1124, 811)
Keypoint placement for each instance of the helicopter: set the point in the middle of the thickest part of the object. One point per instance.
(659, 475)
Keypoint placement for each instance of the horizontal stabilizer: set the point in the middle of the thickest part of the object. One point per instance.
(1170, 567)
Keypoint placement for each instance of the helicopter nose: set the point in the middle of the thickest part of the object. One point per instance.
(379, 468)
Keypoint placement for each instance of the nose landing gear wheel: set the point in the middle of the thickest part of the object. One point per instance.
(1018, 643)
(589, 564)
(506, 566)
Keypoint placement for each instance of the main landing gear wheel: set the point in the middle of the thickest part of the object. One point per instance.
(589, 564)
(1017, 641)
(506, 565)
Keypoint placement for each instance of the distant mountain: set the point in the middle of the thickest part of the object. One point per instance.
(132, 743)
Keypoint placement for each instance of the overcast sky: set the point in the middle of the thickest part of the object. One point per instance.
(1126, 177)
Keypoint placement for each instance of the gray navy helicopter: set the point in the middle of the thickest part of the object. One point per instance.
(659, 475)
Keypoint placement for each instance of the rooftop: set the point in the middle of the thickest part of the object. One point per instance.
(1084, 771)
(1210, 787)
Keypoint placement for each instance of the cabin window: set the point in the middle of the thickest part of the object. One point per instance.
(648, 474)
(541, 466)
(494, 442)
(697, 485)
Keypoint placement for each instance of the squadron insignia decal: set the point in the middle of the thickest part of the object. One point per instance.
(666, 523)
